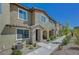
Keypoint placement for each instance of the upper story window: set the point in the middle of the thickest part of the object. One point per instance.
(23, 15)
(43, 19)
(0, 8)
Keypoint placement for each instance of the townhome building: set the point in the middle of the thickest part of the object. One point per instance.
(43, 25)
(19, 24)
(14, 25)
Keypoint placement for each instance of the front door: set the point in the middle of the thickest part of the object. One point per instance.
(37, 34)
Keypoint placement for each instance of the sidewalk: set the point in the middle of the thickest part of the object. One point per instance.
(47, 49)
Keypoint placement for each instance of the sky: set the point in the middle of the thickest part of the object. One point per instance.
(60, 12)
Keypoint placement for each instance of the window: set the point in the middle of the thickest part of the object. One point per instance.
(22, 33)
(43, 19)
(23, 15)
(0, 8)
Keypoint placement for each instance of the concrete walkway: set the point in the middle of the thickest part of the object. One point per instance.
(47, 49)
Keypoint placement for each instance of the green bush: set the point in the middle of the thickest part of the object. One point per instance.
(77, 42)
(65, 30)
(48, 39)
(76, 32)
(16, 52)
(52, 37)
(61, 33)
(66, 40)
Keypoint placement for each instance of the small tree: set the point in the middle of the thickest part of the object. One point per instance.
(66, 29)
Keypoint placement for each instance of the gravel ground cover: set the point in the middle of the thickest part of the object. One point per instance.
(70, 49)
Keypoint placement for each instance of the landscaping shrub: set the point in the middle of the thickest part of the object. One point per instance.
(66, 40)
(27, 45)
(16, 52)
(60, 33)
(77, 41)
(30, 43)
(48, 39)
(31, 47)
(76, 32)
(51, 37)
(65, 30)
(13, 48)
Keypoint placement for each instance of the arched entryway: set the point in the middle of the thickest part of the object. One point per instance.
(44, 34)
(36, 33)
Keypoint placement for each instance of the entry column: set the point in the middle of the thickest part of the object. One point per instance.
(33, 36)
(41, 35)
(47, 34)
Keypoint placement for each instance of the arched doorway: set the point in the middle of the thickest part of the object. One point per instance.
(44, 34)
(38, 34)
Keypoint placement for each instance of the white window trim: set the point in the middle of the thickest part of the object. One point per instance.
(26, 15)
(22, 29)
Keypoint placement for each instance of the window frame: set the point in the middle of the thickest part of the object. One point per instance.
(43, 18)
(22, 29)
(26, 15)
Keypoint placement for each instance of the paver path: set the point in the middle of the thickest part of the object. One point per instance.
(46, 49)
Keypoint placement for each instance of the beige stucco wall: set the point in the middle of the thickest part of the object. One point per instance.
(45, 24)
(32, 18)
(7, 41)
(57, 29)
(7, 38)
(4, 16)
